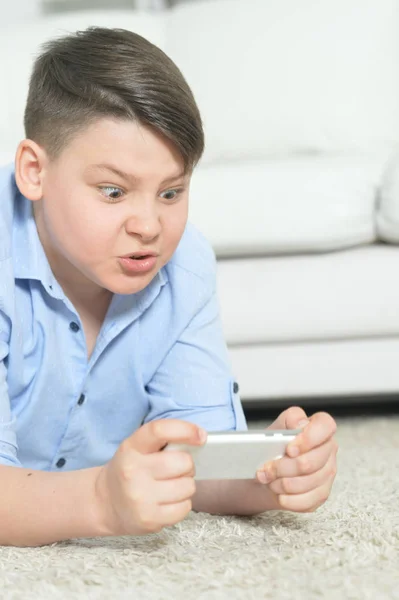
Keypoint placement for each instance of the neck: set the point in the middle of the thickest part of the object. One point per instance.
(86, 297)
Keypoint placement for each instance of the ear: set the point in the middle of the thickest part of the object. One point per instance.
(30, 164)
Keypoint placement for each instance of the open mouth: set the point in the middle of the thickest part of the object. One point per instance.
(136, 264)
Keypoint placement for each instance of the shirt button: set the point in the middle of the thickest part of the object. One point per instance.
(74, 326)
(60, 463)
(236, 387)
(81, 399)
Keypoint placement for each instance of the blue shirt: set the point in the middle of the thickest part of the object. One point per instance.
(160, 353)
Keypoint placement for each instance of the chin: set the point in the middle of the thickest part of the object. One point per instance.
(128, 285)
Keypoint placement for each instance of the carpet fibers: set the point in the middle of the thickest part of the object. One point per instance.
(348, 549)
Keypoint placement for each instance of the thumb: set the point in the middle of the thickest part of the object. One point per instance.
(289, 419)
(155, 435)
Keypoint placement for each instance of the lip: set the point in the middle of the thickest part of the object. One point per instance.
(133, 266)
(140, 253)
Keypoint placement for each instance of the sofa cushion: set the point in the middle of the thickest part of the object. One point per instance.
(387, 216)
(284, 76)
(22, 43)
(339, 295)
(288, 205)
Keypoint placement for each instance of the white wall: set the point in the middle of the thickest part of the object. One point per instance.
(18, 10)
(23, 10)
(68, 5)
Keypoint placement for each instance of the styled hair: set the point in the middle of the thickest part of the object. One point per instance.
(115, 73)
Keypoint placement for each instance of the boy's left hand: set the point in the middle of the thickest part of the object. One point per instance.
(302, 483)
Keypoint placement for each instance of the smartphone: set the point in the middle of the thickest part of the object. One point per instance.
(236, 454)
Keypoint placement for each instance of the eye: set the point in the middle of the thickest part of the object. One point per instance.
(114, 191)
(176, 192)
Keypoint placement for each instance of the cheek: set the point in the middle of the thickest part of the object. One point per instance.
(76, 225)
(174, 226)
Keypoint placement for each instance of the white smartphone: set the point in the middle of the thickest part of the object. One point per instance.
(236, 454)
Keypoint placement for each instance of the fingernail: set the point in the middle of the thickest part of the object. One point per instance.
(262, 477)
(303, 423)
(202, 434)
(293, 450)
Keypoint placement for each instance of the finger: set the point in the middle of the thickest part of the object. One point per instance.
(306, 483)
(169, 465)
(175, 490)
(308, 502)
(320, 429)
(153, 436)
(289, 419)
(170, 514)
(305, 464)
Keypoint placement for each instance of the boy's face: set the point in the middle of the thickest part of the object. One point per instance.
(89, 217)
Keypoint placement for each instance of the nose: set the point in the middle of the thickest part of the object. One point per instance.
(144, 223)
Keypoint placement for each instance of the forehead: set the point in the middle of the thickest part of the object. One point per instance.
(127, 147)
(109, 168)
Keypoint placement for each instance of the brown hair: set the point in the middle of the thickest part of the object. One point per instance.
(115, 73)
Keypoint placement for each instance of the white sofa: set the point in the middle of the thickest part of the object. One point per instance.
(300, 102)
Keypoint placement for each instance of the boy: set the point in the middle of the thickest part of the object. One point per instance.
(110, 339)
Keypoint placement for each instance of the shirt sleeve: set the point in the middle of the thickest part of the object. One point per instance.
(8, 438)
(194, 382)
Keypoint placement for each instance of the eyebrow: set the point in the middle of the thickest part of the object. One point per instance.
(128, 176)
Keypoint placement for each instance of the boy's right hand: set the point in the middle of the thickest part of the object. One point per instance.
(142, 489)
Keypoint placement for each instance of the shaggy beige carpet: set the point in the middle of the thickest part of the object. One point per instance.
(348, 549)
